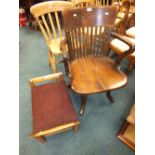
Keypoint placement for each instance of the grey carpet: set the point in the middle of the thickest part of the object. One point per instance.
(100, 123)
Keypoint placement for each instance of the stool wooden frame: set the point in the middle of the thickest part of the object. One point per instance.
(61, 128)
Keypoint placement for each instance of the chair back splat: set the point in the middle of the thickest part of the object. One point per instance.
(88, 30)
(47, 15)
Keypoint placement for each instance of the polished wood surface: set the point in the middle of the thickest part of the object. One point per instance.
(101, 73)
(61, 128)
(48, 17)
(88, 51)
(57, 76)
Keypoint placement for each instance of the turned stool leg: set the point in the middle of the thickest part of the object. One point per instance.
(75, 128)
(109, 96)
(42, 139)
(83, 104)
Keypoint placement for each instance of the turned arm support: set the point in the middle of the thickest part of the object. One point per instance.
(63, 47)
(55, 76)
(125, 53)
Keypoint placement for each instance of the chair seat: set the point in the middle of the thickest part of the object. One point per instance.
(131, 32)
(54, 45)
(119, 46)
(96, 74)
(51, 106)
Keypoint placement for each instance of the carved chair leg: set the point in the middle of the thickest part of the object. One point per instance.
(109, 96)
(42, 139)
(53, 63)
(83, 104)
(131, 65)
(75, 128)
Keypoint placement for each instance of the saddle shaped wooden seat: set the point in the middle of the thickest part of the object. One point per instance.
(52, 109)
(104, 75)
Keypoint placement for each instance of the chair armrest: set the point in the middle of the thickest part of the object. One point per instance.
(63, 47)
(55, 76)
(126, 53)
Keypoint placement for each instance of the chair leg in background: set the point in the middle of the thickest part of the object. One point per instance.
(83, 104)
(109, 96)
(130, 66)
(53, 62)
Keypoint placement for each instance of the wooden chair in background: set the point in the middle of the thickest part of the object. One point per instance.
(122, 16)
(118, 44)
(48, 18)
(84, 3)
(91, 70)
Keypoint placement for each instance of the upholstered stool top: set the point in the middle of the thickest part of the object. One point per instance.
(51, 106)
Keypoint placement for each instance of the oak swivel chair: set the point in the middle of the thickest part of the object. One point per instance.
(91, 70)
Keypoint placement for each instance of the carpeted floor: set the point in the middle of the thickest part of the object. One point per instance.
(100, 123)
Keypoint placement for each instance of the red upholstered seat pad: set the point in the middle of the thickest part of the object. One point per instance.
(51, 106)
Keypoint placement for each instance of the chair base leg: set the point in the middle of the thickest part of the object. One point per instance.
(42, 139)
(83, 104)
(109, 96)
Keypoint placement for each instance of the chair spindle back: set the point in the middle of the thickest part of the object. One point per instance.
(88, 30)
(48, 17)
